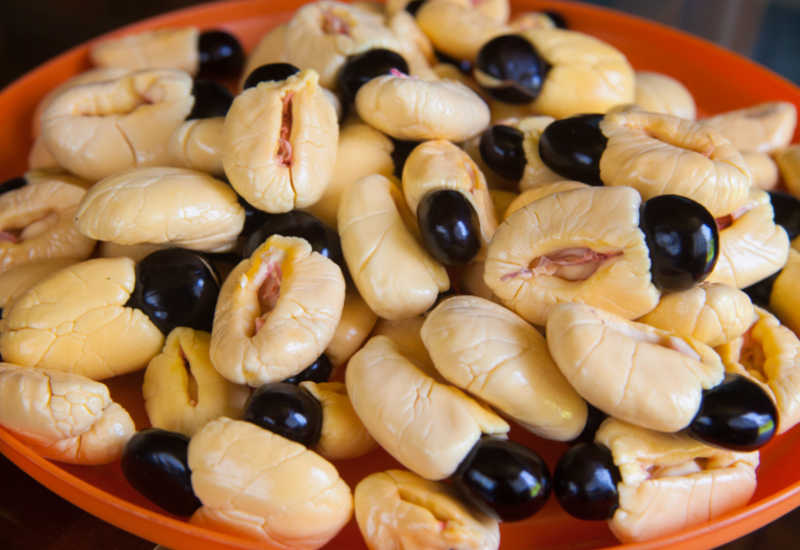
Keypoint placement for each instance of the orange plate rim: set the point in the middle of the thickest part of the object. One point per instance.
(167, 530)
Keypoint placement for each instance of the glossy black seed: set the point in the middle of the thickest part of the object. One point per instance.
(221, 55)
(361, 68)
(414, 6)
(557, 19)
(501, 150)
(504, 478)
(211, 99)
(683, 240)
(400, 154)
(572, 147)
(737, 414)
(154, 462)
(787, 212)
(10, 185)
(449, 227)
(594, 418)
(760, 292)
(271, 72)
(585, 482)
(321, 237)
(176, 288)
(515, 66)
(287, 410)
(319, 371)
(463, 65)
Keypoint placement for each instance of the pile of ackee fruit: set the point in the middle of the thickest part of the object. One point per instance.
(468, 219)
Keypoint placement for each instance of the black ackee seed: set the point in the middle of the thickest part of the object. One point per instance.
(221, 55)
(414, 6)
(683, 240)
(322, 238)
(449, 227)
(504, 478)
(501, 150)
(787, 212)
(155, 463)
(361, 68)
(737, 414)
(10, 185)
(319, 371)
(271, 72)
(176, 288)
(572, 147)
(211, 99)
(402, 149)
(287, 410)
(557, 19)
(594, 418)
(761, 291)
(585, 482)
(510, 69)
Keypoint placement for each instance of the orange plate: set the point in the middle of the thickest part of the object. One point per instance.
(719, 81)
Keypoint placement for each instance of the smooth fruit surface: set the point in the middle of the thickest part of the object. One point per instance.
(737, 414)
(449, 227)
(361, 68)
(509, 479)
(287, 410)
(221, 55)
(318, 371)
(271, 72)
(176, 288)
(211, 99)
(515, 67)
(155, 463)
(585, 482)
(572, 147)
(683, 240)
(501, 150)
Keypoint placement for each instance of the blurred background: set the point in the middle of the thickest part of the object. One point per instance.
(767, 31)
(32, 31)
